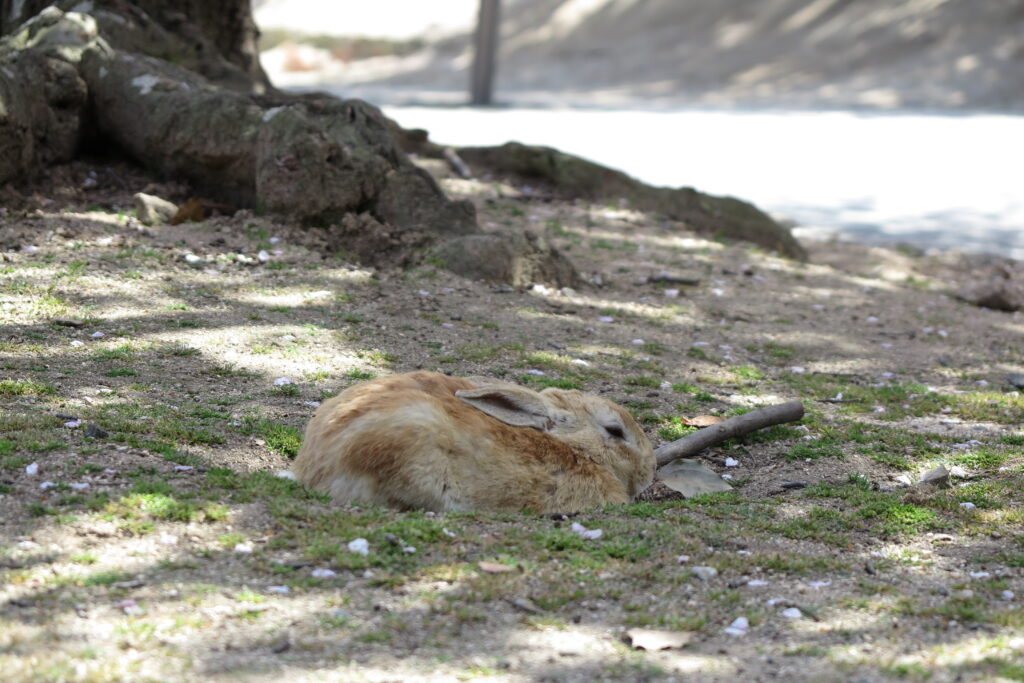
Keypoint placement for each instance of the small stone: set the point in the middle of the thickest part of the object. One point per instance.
(739, 627)
(792, 613)
(360, 545)
(280, 590)
(153, 210)
(938, 477)
(32, 470)
(94, 432)
(1016, 380)
(704, 573)
(280, 644)
(323, 573)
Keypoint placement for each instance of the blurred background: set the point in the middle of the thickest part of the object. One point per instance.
(879, 121)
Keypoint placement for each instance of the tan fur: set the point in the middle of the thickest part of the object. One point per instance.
(410, 442)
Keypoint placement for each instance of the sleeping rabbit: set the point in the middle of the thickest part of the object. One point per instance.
(427, 441)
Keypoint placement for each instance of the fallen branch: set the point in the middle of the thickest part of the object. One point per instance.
(457, 164)
(691, 444)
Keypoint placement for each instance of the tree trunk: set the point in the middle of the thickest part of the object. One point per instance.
(214, 38)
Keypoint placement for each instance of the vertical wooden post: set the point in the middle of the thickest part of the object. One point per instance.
(485, 48)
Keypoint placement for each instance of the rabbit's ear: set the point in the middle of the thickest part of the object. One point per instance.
(510, 404)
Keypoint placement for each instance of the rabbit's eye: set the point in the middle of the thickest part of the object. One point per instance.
(615, 432)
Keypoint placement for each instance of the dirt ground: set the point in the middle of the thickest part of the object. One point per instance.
(155, 378)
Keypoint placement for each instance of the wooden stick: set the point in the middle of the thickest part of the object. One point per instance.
(691, 444)
(457, 164)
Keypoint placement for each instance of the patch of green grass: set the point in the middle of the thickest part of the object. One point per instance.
(673, 429)
(981, 459)
(990, 405)
(106, 578)
(359, 374)
(121, 372)
(697, 352)
(642, 381)
(281, 438)
(699, 395)
(122, 352)
(747, 372)
(567, 382)
(24, 387)
(876, 512)
(896, 400)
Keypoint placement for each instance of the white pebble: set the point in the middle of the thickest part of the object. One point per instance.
(281, 381)
(409, 549)
(183, 468)
(579, 361)
(263, 256)
(584, 532)
(79, 486)
(606, 319)
(32, 470)
(30, 249)
(732, 462)
(792, 613)
(1007, 595)
(360, 545)
(671, 293)
(281, 590)
(820, 584)
(757, 583)
(637, 342)
(682, 559)
(423, 292)
(168, 539)
(980, 575)
(738, 627)
(77, 344)
(797, 370)
(726, 476)
(285, 474)
(73, 424)
(535, 371)
(323, 573)
(192, 258)
(47, 485)
(97, 335)
(717, 291)
(967, 505)
(243, 548)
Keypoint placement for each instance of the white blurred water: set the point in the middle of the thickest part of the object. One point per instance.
(931, 181)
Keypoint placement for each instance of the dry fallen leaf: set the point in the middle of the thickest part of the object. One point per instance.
(494, 568)
(701, 420)
(653, 639)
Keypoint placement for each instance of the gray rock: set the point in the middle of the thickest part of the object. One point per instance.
(153, 210)
(1000, 294)
(938, 477)
(691, 478)
(704, 573)
(515, 257)
(1016, 380)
